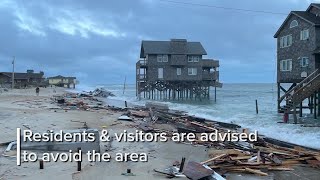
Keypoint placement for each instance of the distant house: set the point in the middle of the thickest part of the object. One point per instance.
(175, 69)
(61, 81)
(30, 78)
(298, 58)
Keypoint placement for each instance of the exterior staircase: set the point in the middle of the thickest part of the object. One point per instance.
(300, 92)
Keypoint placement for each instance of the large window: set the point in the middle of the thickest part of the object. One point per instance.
(162, 58)
(294, 23)
(304, 62)
(193, 58)
(178, 71)
(286, 65)
(304, 34)
(285, 41)
(192, 71)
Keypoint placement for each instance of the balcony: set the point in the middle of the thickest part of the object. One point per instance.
(142, 63)
(210, 63)
(210, 75)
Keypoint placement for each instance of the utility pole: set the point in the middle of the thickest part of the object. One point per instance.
(13, 72)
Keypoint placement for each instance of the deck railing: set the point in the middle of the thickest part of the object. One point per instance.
(300, 85)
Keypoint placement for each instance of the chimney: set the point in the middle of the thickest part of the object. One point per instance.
(30, 71)
(178, 46)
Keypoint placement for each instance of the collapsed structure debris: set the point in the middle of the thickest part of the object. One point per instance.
(256, 157)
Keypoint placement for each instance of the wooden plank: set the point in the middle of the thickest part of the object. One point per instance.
(240, 157)
(215, 152)
(280, 169)
(258, 172)
(212, 159)
(203, 126)
(317, 157)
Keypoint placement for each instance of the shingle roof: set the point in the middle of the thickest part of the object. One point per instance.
(317, 5)
(164, 47)
(23, 75)
(305, 15)
(308, 17)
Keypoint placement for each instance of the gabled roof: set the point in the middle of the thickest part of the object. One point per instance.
(23, 75)
(316, 5)
(306, 16)
(164, 47)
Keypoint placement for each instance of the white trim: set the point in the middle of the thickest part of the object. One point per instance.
(294, 23)
(286, 41)
(159, 58)
(192, 71)
(304, 61)
(193, 58)
(178, 71)
(286, 65)
(304, 34)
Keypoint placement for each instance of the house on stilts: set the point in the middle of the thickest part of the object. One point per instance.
(298, 62)
(175, 70)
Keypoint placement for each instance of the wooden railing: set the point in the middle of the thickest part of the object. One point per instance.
(307, 90)
(300, 85)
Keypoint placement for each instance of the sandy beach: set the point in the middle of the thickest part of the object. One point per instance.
(21, 108)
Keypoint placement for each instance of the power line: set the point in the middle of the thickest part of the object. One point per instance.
(221, 7)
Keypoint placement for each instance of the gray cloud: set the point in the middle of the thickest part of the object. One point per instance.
(99, 41)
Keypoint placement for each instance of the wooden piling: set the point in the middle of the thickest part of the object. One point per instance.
(41, 164)
(295, 114)
(79, 162)
(300, 110)
(315, 105)
(257, 109)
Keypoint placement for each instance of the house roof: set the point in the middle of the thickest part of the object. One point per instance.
(317, 5)
(164, 47)
(23, 75)
(308, 17)
(61, 77)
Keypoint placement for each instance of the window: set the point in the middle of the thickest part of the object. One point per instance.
(304, 34)
(178, 71)
(165, 58)
(162, 58)
(285, 41)
(294, 23)
(192, 71)
(159, 58)
(304, 62)
(286, 65)
(160, 73)
(193, 58)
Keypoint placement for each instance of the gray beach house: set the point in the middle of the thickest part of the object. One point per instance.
(175, 69)
(298, 60)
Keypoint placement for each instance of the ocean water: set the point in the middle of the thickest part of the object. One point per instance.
(235, 104)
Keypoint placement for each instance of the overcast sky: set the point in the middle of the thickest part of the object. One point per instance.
(98, 41)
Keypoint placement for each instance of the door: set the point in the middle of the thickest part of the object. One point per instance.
(160, 73)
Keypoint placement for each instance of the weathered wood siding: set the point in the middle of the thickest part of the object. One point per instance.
(170, 71)
(298, 49)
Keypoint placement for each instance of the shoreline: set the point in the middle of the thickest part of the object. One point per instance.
(40, 113)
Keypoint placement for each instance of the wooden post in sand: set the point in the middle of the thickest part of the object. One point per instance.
(295, 114)
(315, 105)
(257, 110)
(79, 162)
(41, 164)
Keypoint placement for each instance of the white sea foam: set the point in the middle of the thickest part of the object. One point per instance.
(236, 104)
